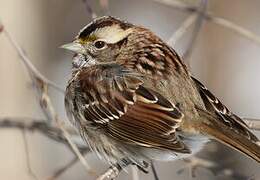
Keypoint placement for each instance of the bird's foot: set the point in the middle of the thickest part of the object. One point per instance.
(110, 174)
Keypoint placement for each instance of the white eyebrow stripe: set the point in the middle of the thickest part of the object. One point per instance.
(111, 34)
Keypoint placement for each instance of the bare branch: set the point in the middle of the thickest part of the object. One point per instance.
(156, 177)
(182, 29)
(234, 27)
(198, 24)
(41, 84)
(27, 155)
(41, 126)
(135, 175)
(89, 9)
(253, 123)
(28, 63)
(63, 169)
(194, 163)
(177, 4)
(209, 16)
(105, 6)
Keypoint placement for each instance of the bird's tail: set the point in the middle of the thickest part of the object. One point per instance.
(221, 132)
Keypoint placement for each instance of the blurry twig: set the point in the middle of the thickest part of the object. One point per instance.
(135, 175)
(27, 155)
(217, 169)
(27, 62)
(198, 24)
(156, 177)
(104, 4)
(63, 169)
(194, 163)
(252, 123)
(234, 27)
(182, 29)
(40, 126)
(212, 18)
(89, 9)
(177, 4)
(41, 84)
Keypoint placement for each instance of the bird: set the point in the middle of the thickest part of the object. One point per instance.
(134, 101)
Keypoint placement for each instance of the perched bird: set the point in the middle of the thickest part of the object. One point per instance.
(134, 100)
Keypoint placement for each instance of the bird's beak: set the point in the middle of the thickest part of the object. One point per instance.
(75, 47)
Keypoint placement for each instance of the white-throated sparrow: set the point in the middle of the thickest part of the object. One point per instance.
(133, 99)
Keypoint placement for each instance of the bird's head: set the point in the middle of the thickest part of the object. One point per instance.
(101, 40)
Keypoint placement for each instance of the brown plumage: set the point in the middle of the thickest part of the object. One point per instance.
(134, 100)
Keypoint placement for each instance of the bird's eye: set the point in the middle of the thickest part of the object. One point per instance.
(99, 44)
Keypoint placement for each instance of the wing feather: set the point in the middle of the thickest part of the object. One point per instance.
(214, 105)
(116, 99)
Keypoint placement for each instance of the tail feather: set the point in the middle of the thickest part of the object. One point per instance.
(213, 127)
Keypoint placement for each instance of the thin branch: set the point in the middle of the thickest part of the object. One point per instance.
(63, 169)
(104, 4)
(27, 154)
(135, 175)
(41, 84)
(177, 4)
(89, 9)
(28, 63)
(209, 16)
(253, 123)
(197, 28)
(194, 163)
(155, 174)
(41, 126)
(182, 29)
(235, 28)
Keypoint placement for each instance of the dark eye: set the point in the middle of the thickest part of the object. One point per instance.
(99, 44)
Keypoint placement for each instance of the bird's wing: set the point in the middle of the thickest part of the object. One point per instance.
(228, 127)
(116, 99)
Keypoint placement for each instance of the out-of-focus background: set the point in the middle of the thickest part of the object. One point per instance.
(227, 62)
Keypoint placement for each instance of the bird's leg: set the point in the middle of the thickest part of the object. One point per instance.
(114, 170)
(111, 173)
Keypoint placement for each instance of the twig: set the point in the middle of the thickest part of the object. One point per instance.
(253, 123)
(194, 163)
(89, 9)
(41, 126)
(182, 29)
(105, 6)
(77, 152)
(177, 4)
(28, 63)
(209, 16)
(156, 177)
(41, 84)
(194, 35)
(63, 169)
(234, 27)
(27, 155)
(135, 175)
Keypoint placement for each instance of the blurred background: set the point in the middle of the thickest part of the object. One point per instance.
(228, 63)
